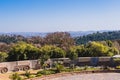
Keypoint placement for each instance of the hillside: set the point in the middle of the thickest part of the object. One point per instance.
(43, 34)
(111, 35)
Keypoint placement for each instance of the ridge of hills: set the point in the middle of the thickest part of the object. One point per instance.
(43, 34)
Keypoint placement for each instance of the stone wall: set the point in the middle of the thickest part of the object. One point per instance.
(81, 61)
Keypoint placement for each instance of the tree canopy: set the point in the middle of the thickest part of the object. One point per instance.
(23, 51)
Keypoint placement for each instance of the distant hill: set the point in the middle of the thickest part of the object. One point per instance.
(80, 37)
(25, 34)
(43, 34)
(83, 33)
(110, 35)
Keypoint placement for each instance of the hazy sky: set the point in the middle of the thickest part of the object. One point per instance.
(59, 15)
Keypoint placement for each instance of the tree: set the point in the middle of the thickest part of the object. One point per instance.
(59, 39)
(96, 49)
(4, 47)
(73, 53)
(23, 51)
(52, 51)
(113, 51)
(98, 36)
(109, 43)
(36, 40)
(32, 52)
(3, 56)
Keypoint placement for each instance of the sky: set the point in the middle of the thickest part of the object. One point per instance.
(59, 15)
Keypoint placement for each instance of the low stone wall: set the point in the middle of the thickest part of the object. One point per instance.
(81, 61)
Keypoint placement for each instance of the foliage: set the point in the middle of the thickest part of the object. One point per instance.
(59, 39)
(92, 49)
(45, 72)
(23, 51)
(58, 45)
(59, 67)
(117, 61)
(96, 49)
(15, 76)
(5, 47)
(74, 52)
(117, 67)
(86, 67)
(11, 38)
(3, 56)
(27, 74)
(38, 75)
(111, 35)
(52, 51)
(36, 40)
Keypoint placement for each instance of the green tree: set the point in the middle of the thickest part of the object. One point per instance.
(73, 53)
(23, 51)
(97, 49)
(3, 56)
(52, 51)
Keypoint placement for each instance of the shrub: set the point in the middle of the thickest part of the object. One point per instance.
(86, 67)
(28, 74)
(72, 66)
(118, 67)
(3, 56)
(15, 76)
(46, 72)
(59, 67)
(117, 61)
(67, 69)
(38, 75)
(32, 76)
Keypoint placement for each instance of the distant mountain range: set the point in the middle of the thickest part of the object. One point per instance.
(42, 34)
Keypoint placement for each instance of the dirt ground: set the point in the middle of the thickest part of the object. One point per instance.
(93, 76)
(7, 75)
(71, 76)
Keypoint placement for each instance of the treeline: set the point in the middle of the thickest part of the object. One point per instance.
(11, 38)
(55, 45)
(112, 35)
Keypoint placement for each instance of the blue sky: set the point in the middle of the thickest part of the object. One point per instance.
(59, 15)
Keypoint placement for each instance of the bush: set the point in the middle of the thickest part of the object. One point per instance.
(32, 76)
(86, 67)
(15, 76)
(117, 61)
(38, 75)
(67, 69)
(46, 72)
(72, 66)
(3, 56)
(28, 74)
(118, 67)
(59, 67)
